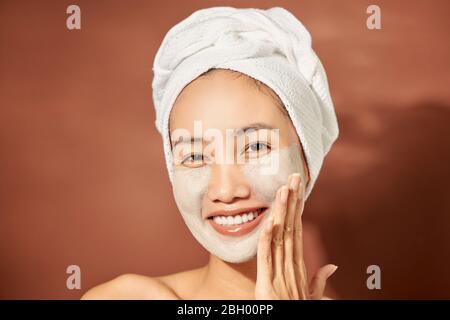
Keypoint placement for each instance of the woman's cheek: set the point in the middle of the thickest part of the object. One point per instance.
(268, 173)
(189, 187)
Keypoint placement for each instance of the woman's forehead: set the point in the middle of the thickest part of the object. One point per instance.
(222, 100)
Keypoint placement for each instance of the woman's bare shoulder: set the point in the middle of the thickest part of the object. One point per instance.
(131, 286)
(184, 283)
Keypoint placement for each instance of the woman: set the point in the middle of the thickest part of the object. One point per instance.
(243, 106)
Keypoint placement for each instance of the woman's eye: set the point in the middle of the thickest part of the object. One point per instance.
(258, 147)
(193, 159)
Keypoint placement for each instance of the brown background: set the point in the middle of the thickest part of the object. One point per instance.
(82, 175)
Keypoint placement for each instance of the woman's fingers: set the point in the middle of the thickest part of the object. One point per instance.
(319, 281)
(292, 208)
(264, 256)
(279, 213)
(293, 184)
(300, 269)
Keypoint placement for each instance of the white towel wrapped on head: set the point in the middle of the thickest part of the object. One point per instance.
(271, 46)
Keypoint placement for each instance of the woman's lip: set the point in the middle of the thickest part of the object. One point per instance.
(239, 229)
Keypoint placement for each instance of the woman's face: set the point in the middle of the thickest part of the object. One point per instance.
(233, 147)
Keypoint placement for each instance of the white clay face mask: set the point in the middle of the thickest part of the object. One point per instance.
(265, 176)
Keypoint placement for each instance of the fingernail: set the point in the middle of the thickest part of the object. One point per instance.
(333, 271)
(284, 194)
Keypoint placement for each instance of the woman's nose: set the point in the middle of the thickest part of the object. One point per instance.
(227, 184)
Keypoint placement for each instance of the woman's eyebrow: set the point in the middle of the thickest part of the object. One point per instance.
(251, 127)
(184, 140)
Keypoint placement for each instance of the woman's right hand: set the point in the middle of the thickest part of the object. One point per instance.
(281, 270)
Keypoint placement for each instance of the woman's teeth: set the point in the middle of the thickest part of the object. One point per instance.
(237, 219)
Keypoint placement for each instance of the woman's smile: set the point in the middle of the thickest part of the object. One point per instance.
(236, 222)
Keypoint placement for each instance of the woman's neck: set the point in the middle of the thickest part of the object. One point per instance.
(224, 280)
